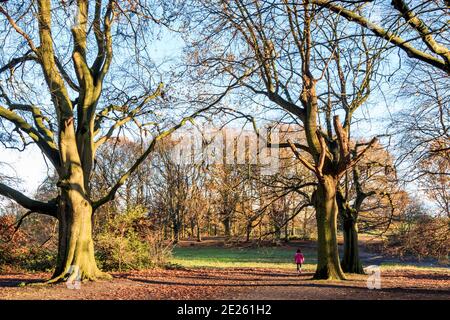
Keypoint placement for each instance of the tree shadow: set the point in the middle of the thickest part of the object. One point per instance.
(434, 276)
(15, 282)
(231, 278)
(255, 274)
(281, 275)
(300, 284)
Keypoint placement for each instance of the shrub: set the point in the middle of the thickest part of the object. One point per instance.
(129, 241)
(20, 250)
(423, 236)
(39, 259)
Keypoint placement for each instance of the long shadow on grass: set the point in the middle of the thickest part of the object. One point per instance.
(14, 282)
(439, 277)
(254, 273)
(299, 285)
(230, 276)
(281, 275)
(231, 279)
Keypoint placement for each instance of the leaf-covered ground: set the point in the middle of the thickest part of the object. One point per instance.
(234, 283)
(211, 270)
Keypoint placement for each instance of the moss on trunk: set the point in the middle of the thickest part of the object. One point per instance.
(328, 265)
(76, 260)
(351, 262)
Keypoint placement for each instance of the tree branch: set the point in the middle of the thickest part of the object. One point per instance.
(130, 116)
(399, 42)
(361, 154)
(342, 139)
(48, 208)
(15, 61)
(48, 148)
(46, 54)
(305, 162)
(111, 194)
(18, 224)
(19, 30)
(425, 33)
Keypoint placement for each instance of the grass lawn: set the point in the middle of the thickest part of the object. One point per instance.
(406, 266)
(217, 272)
(264, 257)
(218, 257)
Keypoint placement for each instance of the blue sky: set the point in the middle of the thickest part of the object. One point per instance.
(31, 168)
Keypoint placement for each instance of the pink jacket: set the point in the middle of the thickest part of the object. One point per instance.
(299, 258)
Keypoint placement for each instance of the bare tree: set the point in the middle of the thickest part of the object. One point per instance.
(284, 51)
(55, 98)
(175, 186)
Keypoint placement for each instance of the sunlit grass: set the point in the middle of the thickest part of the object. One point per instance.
(270, 258)
(214, 257)
(406, 266)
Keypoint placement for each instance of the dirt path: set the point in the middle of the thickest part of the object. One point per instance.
(238, 283)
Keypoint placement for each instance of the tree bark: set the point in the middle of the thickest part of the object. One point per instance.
(277, 233)
(351, 262)
(199, 232)
(328, 266)
(192, 235)
(286, 232)
(76, 260)
(176, 232)
(248, 232)
(227, 226)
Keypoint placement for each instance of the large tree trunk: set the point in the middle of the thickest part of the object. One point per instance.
(305, 226)
(286, 232)
(199, 232)
(75, 259)
(277, 232)
(328, 266)
(227, 226)
(192, 235)
(248, 232)
(176, 232)
(351, 262)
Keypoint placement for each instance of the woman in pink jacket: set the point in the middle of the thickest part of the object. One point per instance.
(299, 259)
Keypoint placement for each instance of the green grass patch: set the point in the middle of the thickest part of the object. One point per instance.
(264, 257)
(267, 257)
(407, 266)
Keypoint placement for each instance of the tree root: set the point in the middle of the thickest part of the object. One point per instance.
(65, 277)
